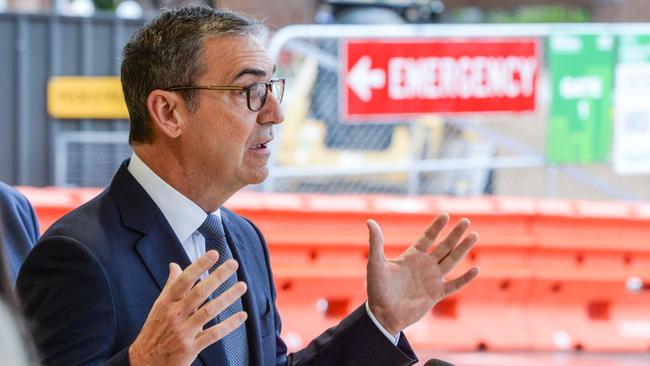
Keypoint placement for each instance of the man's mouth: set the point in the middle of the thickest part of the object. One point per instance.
(263, 145)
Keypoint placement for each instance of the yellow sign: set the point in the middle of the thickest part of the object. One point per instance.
(86, 97)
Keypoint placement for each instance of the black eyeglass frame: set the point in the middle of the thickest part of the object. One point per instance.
(247, 88)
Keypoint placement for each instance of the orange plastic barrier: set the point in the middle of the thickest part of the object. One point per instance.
(52, 203)
(554, 274)
(592, 265)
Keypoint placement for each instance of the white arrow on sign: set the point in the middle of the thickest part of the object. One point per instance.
(362, 79)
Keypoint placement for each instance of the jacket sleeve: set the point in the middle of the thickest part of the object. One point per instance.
(32, 220)
(68, 302)
(356, 340)
(18, 227)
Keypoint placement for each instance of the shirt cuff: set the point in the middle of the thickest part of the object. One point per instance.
(393, 338)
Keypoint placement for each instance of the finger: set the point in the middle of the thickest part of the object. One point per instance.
(214, 307)
(191, 274)
(458, 253)
(217, 332)
(460, 282)
(174, 271)
(431, 233)
(376, 240)
(205, 288)
(443, 249)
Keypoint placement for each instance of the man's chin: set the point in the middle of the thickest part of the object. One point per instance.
(259, 176)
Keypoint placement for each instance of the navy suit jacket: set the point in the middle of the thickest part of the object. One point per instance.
(89, 284)
(18, 228)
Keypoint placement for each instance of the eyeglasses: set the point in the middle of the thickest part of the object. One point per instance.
(255, 93)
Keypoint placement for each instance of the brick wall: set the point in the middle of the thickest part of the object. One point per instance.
(28, 5)
(504, 4)
(622, 11)
(275, 13)
(601, 10)
(278, 13)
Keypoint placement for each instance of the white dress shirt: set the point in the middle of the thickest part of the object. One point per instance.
(185, 217)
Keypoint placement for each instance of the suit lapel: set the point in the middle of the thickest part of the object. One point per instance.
(157, 257)
(158, 246)
(245, 257)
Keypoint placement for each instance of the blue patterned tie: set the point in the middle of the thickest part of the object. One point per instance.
(235, 343)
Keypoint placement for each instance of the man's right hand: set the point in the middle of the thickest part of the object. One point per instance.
(173, 333)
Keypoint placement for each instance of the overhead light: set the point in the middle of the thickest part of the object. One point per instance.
(129, 9)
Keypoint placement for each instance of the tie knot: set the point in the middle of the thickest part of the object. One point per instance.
(211, 228)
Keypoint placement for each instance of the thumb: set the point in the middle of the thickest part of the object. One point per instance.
(376, 240)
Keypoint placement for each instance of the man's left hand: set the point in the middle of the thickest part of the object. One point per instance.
(402, 290)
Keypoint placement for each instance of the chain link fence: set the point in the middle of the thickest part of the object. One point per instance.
(317, 150)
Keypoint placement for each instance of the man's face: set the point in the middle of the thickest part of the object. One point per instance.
(229, 141)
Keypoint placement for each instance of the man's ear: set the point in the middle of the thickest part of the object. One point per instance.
(167, 111)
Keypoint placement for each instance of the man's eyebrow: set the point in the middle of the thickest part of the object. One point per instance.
(249, 71)
(252, 71)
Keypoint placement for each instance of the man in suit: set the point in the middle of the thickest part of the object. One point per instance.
(105, 284)
(18, 228)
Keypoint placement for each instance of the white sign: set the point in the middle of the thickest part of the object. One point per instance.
(362, 79)
(465, 77)
(632, 119)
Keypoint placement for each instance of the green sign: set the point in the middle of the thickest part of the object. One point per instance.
(582, 73)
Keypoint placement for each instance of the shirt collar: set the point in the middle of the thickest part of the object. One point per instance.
(183, 215)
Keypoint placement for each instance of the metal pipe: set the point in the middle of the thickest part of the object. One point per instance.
(432, 165)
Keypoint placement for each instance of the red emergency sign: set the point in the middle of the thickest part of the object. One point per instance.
(388, 78)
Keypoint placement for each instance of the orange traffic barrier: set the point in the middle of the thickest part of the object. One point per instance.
(319, 247)
(52, 203)
(555, 274)
(592, 266)
(548, 277)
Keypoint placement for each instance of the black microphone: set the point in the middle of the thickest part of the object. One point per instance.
(435, 362)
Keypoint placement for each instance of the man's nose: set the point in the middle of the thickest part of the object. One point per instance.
(271, 111)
